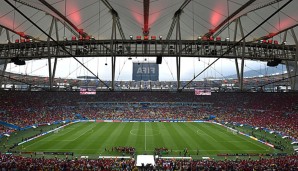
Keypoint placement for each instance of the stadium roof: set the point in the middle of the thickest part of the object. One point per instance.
(198, 18)
(256, 19)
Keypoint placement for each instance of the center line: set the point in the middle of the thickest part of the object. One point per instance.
(145, 137)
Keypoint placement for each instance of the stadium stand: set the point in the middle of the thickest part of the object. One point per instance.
(275, 111)
(10, 162)
(28, 108)
(5, 130)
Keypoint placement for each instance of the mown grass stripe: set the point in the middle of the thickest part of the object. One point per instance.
(46, 141)
(78, 142)
(180, 137)
(151, 135)
(140, 141)
(94, 138)
(205, 140)
(244, 143)
(131, 136)
(166, 138)
(95, 141)
(212, 131)
(124, 135)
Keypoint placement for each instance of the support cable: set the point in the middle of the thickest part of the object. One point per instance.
(237, 43)
(277, 81)
(63, 47)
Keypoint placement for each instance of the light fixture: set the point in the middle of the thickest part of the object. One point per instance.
(131, 37)
(158, 59)
(18, 61)
(227, 39)
(160, 37)
(139, 37)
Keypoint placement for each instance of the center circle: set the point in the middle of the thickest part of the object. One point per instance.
(152, 132)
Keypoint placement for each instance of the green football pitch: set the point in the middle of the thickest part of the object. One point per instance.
(98, 139)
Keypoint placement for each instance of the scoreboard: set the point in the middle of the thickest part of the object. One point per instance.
(203, 91)
(87, 90)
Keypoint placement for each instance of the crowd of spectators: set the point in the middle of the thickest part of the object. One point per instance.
(288, 163)
(11, 162)
(276, 111)
(23, 117)
(273, 120)
(160, 113)
(6, 130)
(249, 100)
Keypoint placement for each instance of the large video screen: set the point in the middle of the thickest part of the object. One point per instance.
(203, 92)
(87, 90)
(145, 72)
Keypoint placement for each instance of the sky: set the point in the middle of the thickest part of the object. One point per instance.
(190, 67)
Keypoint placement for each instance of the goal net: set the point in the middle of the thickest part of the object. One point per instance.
(233, 131)
(57, 130)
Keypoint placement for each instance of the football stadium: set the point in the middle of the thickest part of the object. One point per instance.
(148, 85)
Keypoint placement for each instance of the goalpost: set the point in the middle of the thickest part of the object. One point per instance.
(233, 131)
(58, 130)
